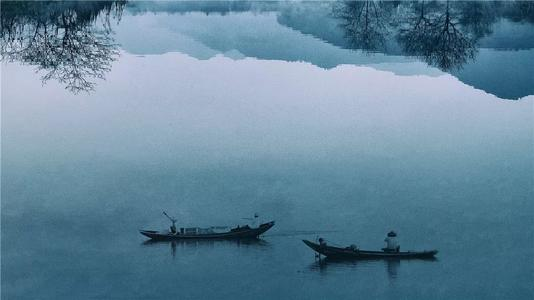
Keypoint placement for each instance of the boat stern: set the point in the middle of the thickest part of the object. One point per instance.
(148, 233)
(264, 227)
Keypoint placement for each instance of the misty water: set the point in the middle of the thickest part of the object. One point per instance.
(304, 113)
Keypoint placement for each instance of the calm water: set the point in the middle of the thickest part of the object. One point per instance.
(340, 120)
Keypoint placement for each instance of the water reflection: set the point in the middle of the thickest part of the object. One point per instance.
(392, 265)
(443, 34)
(199, 244)
(70, 42)
(73, 42)
(366, 23)
(436, 35)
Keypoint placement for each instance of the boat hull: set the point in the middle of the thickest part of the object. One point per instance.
(249, 233)
(347, 253)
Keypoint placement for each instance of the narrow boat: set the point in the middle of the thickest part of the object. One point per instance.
(239, 232)
(355, 253)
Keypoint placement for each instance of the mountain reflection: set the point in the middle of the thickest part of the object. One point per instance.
(443, 34)
(72, 42)
(67, 41)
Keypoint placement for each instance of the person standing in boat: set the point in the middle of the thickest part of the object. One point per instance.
(391, 242)
(173, 227)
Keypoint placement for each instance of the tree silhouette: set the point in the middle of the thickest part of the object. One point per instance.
(366, 23)
(443, 34)
(436, 35)
(70, 42)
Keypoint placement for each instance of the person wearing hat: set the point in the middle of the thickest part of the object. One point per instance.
(391, 242)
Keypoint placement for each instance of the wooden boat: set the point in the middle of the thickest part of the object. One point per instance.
(354, 253)
(244, 232)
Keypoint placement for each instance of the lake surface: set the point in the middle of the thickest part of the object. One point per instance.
(336, 119)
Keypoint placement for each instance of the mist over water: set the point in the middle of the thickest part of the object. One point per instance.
(212, 133)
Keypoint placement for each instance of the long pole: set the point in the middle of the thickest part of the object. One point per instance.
(172, 219)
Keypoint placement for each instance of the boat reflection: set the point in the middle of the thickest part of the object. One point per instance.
(199, 244)
(392, 265)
